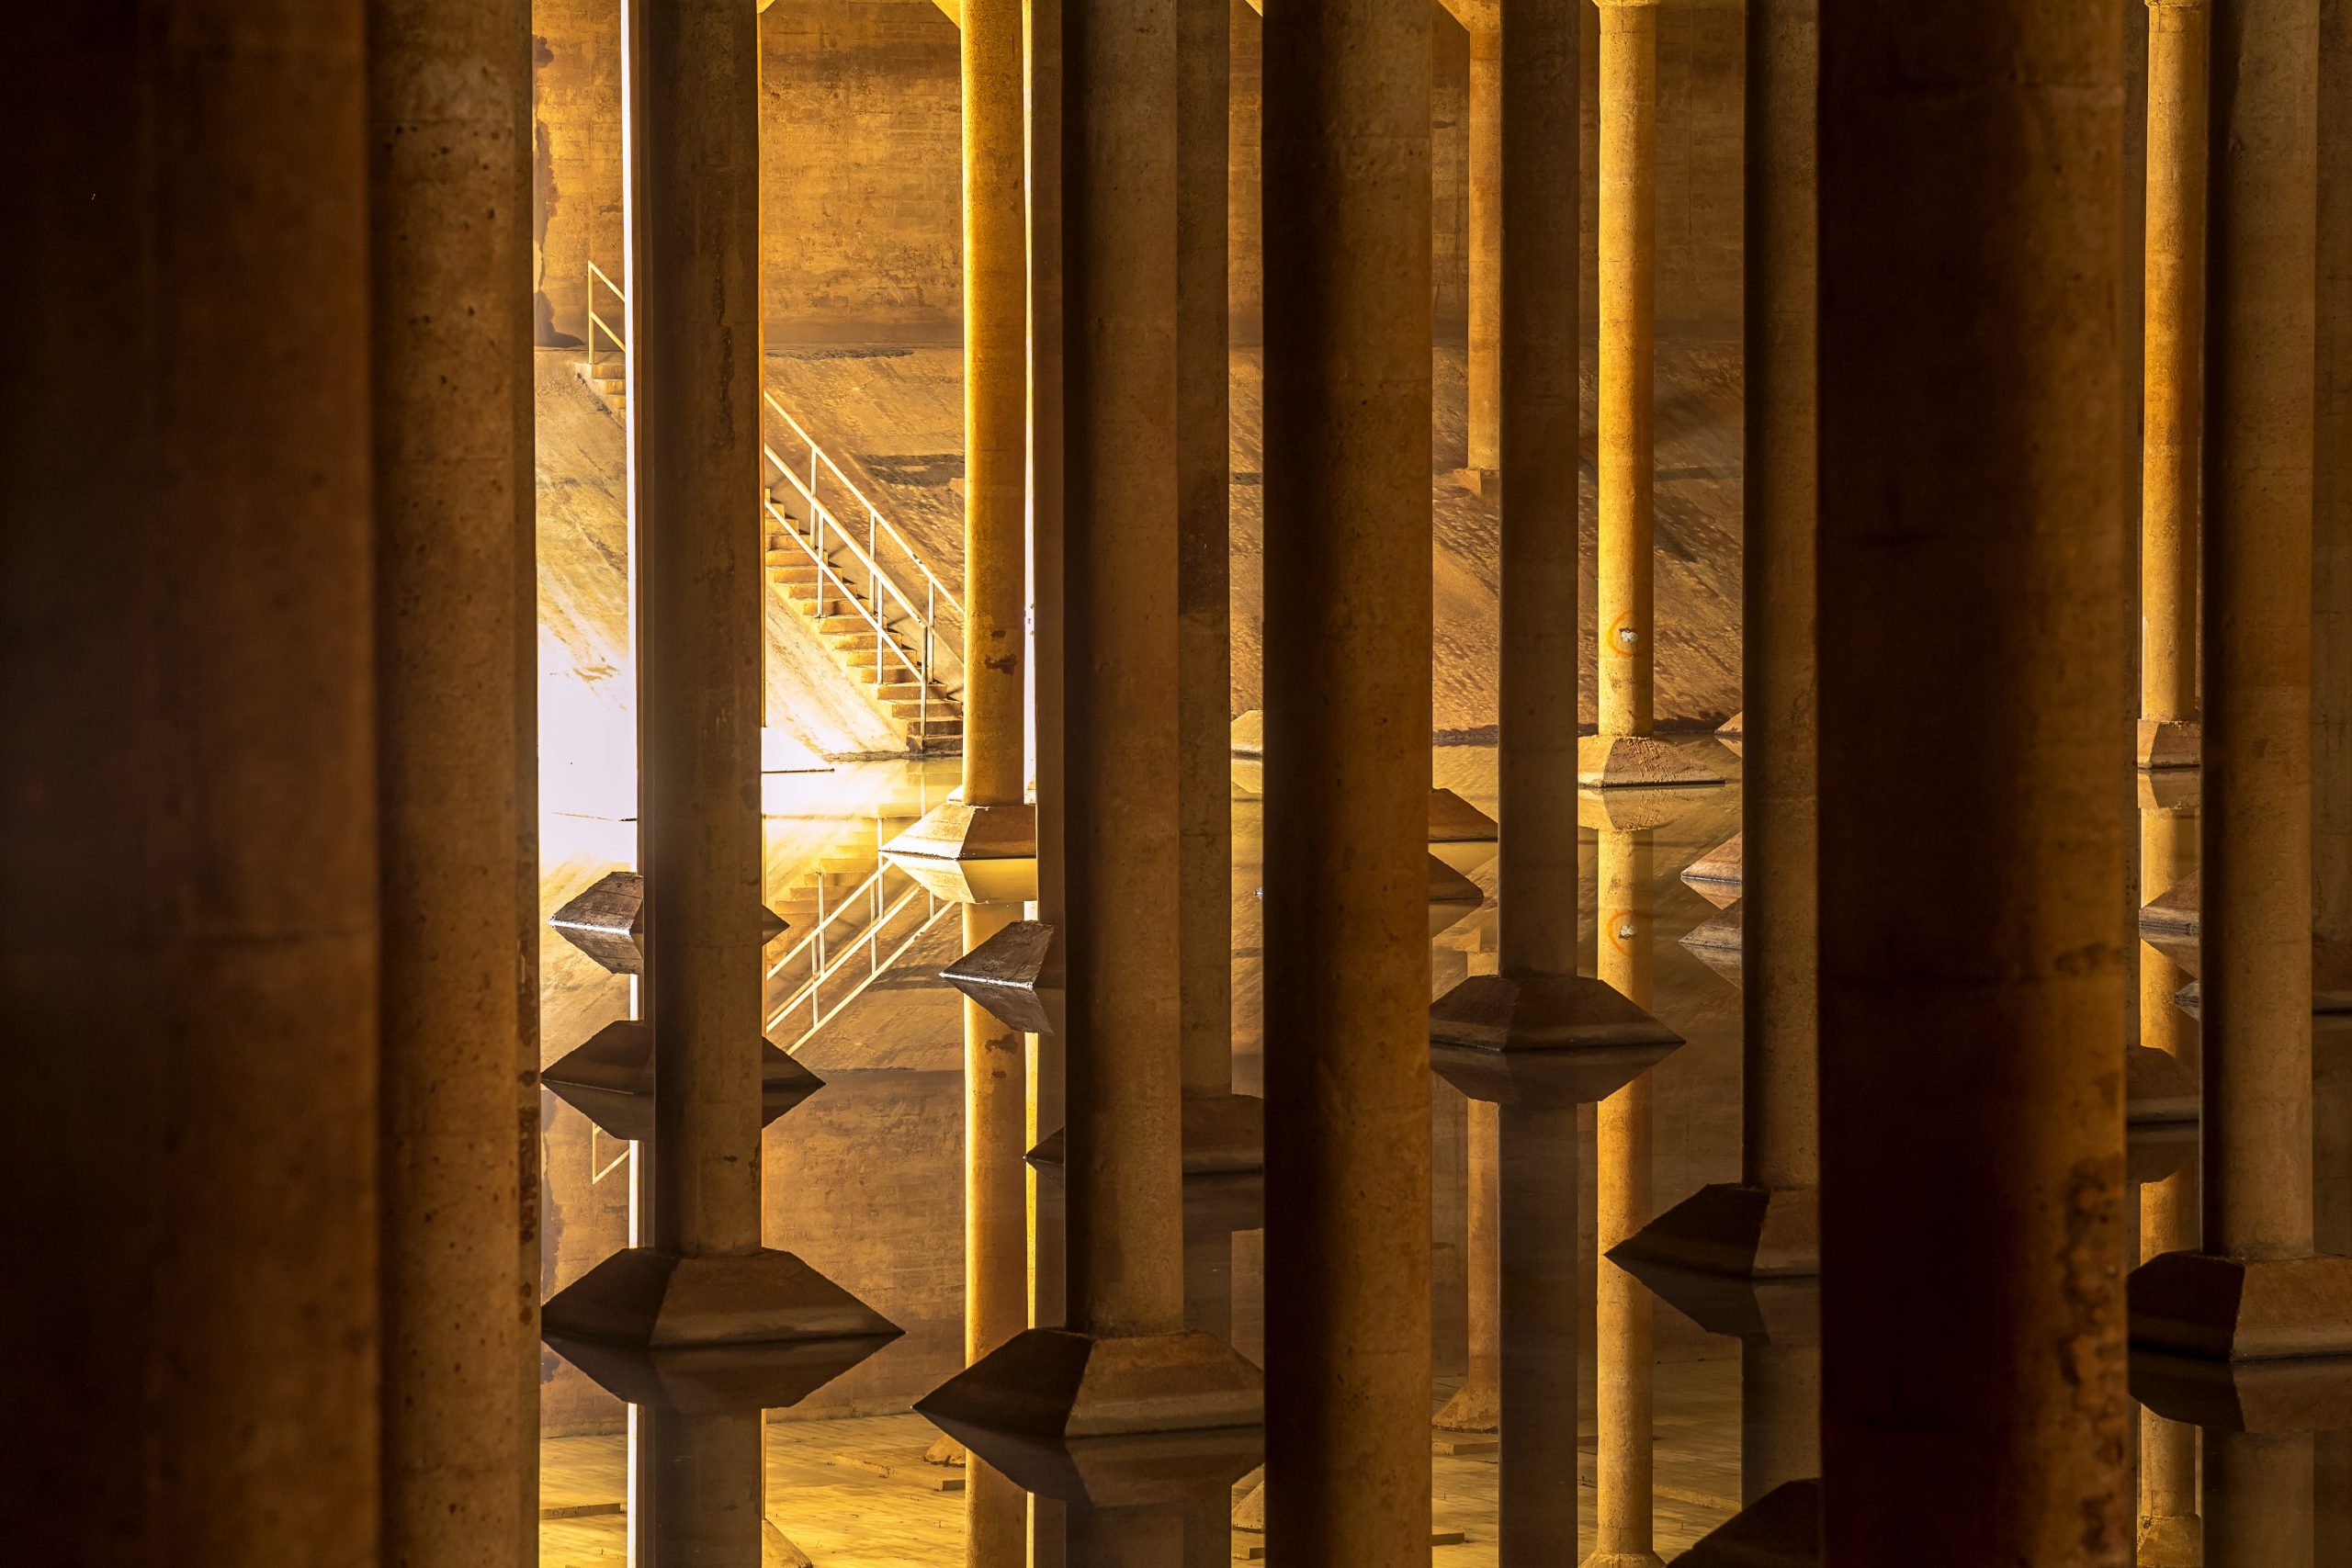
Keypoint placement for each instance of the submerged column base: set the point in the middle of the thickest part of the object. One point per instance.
(1637, 762)
(2169, 743)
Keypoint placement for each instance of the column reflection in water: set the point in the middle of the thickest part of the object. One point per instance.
(1623, 1312)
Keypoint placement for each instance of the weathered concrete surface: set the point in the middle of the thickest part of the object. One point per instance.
(575, 164)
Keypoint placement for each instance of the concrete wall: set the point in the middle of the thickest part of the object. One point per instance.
(576, 160)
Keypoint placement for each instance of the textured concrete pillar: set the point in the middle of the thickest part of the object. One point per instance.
(697, 1494)
(1119, 697)
(2257, 815)
(1971, 424)
(1622, 1537)
(456, 595)
(2173, 383)
(2258, 1500)
(1622, 752)
(1347, 410)
(996, 311)
(2332, 518)
(190, 940)
(2253, 1290)
(1486, 197)
(2169, 1208)
(1536, 1483)
(996, 1234)
(1475, 1406)
(1780, 1416)
(1766, 1224)
(694, 331)
(1204, 547)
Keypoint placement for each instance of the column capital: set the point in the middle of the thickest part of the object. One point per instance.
(2176, 4)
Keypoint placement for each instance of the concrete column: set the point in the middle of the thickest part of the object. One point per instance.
(1218, 1128)
(1536, 1483)
(996, 1234)
(1623, 752)
(1120, 606)
(2332, 518)
(1971, 427)
(1475, 1406)
(449, 96)
(1780, 1416)
(2258, 1500)
(2254, 1289)
(2169, 1208)
(1767, 1224)
(191, 936)
(996, 323)
(2173, 385)
(1486, 365)
(1347, 410)
(1623, 1406)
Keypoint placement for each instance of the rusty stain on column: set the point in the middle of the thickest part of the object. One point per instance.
(1204, 779)
(449, 94)
(1972, 428)
(1624, 1397)
(1621, 753)
(1486, 199)
(1348, 626)
(2173, 384)
(190, 937)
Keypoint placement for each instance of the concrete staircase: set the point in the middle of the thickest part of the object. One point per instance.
(863, 592)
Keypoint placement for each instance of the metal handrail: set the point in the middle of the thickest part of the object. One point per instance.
(884, 638)
(882, 910)
(934, 590)
(620, 345)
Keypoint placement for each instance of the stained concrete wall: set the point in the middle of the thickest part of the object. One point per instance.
(575, 161)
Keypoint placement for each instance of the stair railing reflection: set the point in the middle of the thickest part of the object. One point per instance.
(890, 910)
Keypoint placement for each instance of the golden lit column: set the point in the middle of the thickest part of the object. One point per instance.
(189, 943)
(1475, 1406)
(1958, 333)
(1767, 1224)
(449, 99)
(1124, 1363)
(1622, 752)
(1486, 197)
(1347, 734)
(2255, 1289)
(1221, 1131)
(996, 1234)
(2174, 382)
(1624, 1397)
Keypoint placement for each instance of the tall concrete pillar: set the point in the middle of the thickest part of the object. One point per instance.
(1346, 152)
(1222, 1131)
(2258, 1500)
(2255, 1287)
(1767, 1224)
(1624, 1397)
(1962, 332)
(996, 1236)
(1482, 469)
(1124, 1362)
(2332, 519)
(1476, 1406)
(701, 1279)
(449, 186)
(2173, 384)
(1624, 752)
(190, 937)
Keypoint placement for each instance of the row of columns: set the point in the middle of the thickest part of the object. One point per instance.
(272, 842)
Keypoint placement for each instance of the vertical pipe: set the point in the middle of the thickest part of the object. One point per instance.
(449, 94)
(1972, 428)
(1347, 410)
(1119, 283)
(693, 399)
(1628, 284)
(1484, 359)
(191, 836)
(1624, 1397)
(2256, 966)
(1204, 547)
(2174, 380)
(1780, 1000)
(996, 304)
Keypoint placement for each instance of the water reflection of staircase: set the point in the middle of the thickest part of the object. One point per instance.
(851, 916)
